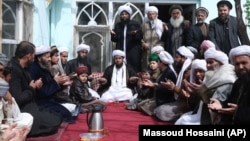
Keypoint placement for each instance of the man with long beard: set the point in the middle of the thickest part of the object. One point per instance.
(127, 35)
(176, 31)
(199, 31)
(223, 30)
(118, 80)
(237, 106)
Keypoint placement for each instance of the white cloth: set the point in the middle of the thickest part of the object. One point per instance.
(93, 93)
(157, 49)
(167, 59)
(118, 53)
(240, 50)
(42, 49)
(189, 118)
(71, 107)
(217, 55)
(118, 90)
(152, 9)
(63, 49)
(83, 47)
(4, 87)
(184, 51)
(124, 8)
(197, 64)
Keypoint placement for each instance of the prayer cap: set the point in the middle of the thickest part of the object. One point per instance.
(153, 57)
(217, 55)
(207, 44)
(199, 64)
(118, 53)
(63, 49)
(83, 47)
(157, 49)
(3, 59)
(175, 7)
(240, 50)
(124, 8)
(184, 51)
(152, 9)
(42, 49)
(82, 69)
(203, 10)
(4, 87)
(228, 3)
(166, 58)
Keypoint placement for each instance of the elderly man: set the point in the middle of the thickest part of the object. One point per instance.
(236, 107)
(223, 30)
(47, 95)
(176, 31)
(23, 89)
(118, 80)
(81, 60)
(199, 31)
(152, 30)
(127, 35)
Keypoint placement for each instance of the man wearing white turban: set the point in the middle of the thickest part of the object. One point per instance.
(118, 80)
(81, 60)
(236, 107)
(127, 36)
(152, 30)
(162, 94)
(217, 84)
(63, 53)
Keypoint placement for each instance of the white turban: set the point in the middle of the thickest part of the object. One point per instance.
(63, 49)
(167, 58)
(156, 49)
(197, 64)
(124, 8)
(152, 9)
(4, 87)
(192, 49)
(83, 47)
(207, 44)
(42, 49)
(184, 51)
(217, 55)
(118, 53)
(240, 50)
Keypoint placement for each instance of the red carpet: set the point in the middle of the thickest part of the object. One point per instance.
(123, 125)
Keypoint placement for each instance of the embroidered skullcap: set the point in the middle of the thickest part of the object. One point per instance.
(197, 64)
(203, 10)
(42, 49)
(4, 87)
(166, 58)
(118, 53)
(82, 69)
(157, 49)
(228, 3)
(63, 49)
(184, 51)
(152, 9)
(3, 59)
(153, 57)
(193, 50)
(240, 50)
(207, 44)
(175, 7)
(83, 47)
(124, 8)
(217, 55)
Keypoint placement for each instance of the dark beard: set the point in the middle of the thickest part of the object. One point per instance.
(82, 60)
(124, 21)
(178, 67)
(244, 79)
(224, 19)
(118, 66)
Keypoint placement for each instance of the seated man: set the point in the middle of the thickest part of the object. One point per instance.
(118, 80)
(46, 95)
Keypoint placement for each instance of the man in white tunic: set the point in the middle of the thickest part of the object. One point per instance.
(118, 80)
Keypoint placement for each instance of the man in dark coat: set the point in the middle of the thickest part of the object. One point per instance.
(199, 31)
(128, 35)
(237, 106)
(46, 95)
(176, 31)
(223, 30)
(23, 89)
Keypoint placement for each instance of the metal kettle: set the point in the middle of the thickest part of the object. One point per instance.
(95, 122)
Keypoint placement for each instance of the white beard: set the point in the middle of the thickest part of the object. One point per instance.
(176, 22)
